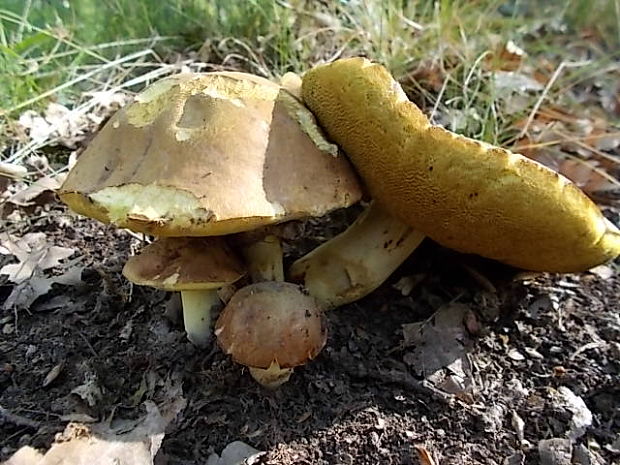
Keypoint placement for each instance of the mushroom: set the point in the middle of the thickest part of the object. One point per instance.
(464, 194)
(271, 327)
(195, 266)
(207, 155)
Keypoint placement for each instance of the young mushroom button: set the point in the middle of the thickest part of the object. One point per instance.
(271, 327)
(195, 266)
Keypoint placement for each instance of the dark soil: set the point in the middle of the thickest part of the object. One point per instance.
(358, 402)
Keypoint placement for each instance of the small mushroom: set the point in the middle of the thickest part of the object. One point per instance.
(464, 194)
(271, 327)
(197, 267)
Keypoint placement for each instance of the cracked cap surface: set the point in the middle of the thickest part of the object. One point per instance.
(209, 154)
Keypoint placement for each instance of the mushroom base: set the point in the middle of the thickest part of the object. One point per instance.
(272, 377)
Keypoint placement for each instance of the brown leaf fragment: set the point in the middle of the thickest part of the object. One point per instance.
(507, 57)
(53, 374)
(38, 193)
(440, 349)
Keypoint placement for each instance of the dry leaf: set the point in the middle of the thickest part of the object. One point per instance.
(582, 416)
(510, 82)
(99, 444)
(31, 194)
(508, 57)
(440, 349)
(35, 256)
(53, 374)
(89, 391)
(235, 453)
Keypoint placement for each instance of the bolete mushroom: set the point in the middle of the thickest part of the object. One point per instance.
(464, 194)
(271, 327)
(195, 266)
(207, 155)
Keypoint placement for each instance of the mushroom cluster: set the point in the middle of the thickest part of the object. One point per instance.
(213, 163)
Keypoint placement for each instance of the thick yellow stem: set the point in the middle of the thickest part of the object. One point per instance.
(357, 261)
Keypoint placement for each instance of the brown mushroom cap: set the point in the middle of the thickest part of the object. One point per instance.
(462, 193)
(209, 154)
(271, 321)
(185, 263)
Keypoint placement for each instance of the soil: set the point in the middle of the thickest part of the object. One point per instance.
(361, 401)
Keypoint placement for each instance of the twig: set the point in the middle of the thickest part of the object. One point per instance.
(17, 419)
(554, 77)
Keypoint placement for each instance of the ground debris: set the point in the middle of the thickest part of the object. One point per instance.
(99, 444)
(555, 451)
(581, 416)
(440, 349)
(235, 453)
(36, 255)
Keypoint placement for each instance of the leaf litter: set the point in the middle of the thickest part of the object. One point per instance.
(35, 256)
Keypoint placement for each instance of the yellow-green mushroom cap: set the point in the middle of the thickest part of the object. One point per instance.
(209, 154)
(464, 194)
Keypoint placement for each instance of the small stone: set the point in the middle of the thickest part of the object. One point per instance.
(555, 451)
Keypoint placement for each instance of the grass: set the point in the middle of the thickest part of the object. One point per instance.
(442, 51)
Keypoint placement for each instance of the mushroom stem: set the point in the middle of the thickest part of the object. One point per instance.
(264, 259)
(197, 306)
(357, 261)
(272, 377)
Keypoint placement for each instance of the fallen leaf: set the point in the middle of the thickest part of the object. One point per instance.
(440, 346)
(31, 194)
(25, 456)
(53, 374)
(507, 57)
(582, 416)
(33, 252)
(519, 426)
(98, 444)
(603, 271)
(510, 82)
(35, 256)
(235, 453)
(407, 284)
(89, 391)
